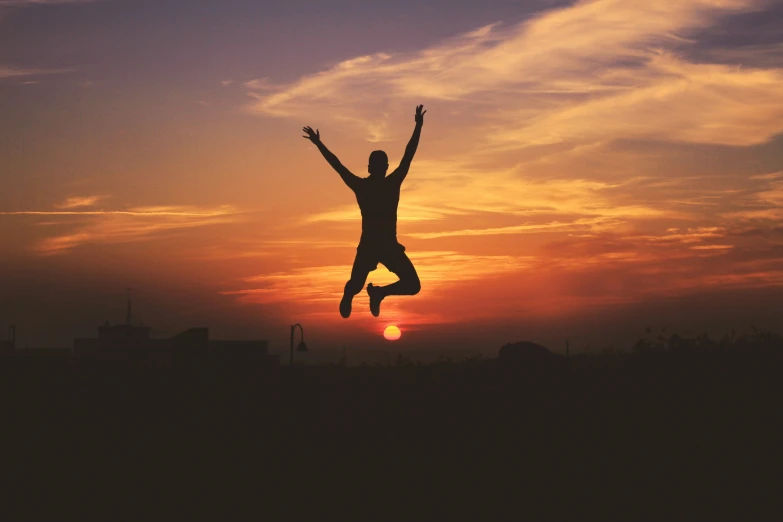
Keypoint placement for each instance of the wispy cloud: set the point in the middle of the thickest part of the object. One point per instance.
(597, 70)
(712, 247)
(510, 230)
(13, 72)
(119, 226)
(443, 195)
(167, 211)
(80, 201)
(262, 84)
(4, 3)
(318, 287)
(765, 204)
(10, 71)
(576, 271)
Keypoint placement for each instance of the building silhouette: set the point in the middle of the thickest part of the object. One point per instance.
(129, 342)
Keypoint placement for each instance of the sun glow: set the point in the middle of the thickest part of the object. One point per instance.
(392, 333)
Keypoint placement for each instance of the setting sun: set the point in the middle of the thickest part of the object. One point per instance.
(392, 333)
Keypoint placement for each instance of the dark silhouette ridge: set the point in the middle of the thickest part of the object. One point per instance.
(378, 196)
(639, 432)
(524, 352)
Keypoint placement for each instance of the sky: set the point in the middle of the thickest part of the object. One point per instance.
(586, 169)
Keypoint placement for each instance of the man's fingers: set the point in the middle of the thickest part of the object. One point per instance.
(423, 113)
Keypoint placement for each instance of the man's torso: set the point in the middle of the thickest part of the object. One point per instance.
(378, 200)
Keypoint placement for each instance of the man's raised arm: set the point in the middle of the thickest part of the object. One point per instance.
(410, 150)
(315, 136)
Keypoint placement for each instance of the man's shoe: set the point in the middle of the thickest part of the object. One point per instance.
(345, 305)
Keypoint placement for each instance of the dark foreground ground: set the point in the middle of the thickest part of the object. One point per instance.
(650, 436)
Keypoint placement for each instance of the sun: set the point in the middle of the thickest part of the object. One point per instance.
(392, 333)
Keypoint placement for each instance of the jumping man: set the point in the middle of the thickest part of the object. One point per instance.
(378, 196)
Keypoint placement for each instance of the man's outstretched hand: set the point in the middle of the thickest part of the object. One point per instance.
(420, 115)
(312, 135)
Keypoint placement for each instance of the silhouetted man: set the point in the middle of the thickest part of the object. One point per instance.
(378, 196)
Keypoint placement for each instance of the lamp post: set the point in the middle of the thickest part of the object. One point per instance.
(302, 346)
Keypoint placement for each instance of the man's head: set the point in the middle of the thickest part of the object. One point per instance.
(379, 164)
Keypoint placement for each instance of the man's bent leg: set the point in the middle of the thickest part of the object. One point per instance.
(361, 267)
(409, 283)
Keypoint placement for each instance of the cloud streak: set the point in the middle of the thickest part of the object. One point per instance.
(80, 201)
(13, 72)
(8, 71)
(597, 70)
(568, 274)
(22, 3)
(120, 226)
(315, 288)
(172, 211)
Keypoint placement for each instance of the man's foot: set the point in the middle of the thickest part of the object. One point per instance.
(345, 305)
(376, 296)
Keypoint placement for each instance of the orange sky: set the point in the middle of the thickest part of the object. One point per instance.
(582, 165)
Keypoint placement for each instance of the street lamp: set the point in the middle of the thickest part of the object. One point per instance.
(302, 346)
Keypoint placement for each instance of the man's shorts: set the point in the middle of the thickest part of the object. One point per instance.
(391, 255)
